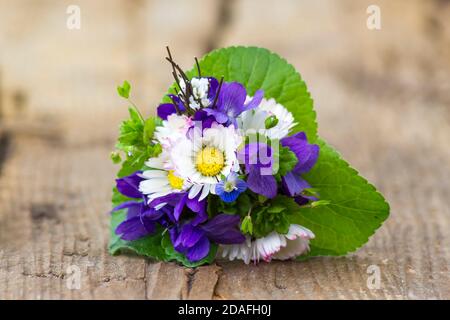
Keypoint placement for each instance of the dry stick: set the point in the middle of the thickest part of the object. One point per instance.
(177, 80)
(176, 67)
(217, 94)
(174, 72)
(186, 81)
(198, 68)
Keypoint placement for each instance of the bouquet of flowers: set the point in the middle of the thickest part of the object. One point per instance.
(231, 166)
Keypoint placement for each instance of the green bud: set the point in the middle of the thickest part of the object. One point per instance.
(247, 225)
(320, 203)
(115, 157)
(271, 122)
(261, 198)
(311, 192)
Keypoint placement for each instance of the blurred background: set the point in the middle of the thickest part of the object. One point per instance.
(382, 98)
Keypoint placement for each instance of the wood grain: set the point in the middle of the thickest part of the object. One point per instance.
(382, 99)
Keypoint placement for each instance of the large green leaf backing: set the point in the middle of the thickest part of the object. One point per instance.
(355, 212)
(356, 209)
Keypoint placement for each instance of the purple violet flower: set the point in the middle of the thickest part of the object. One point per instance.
(166, 109)
(141, 220)
(179, 201)
(258, 161)
(231, 103)
(230, 188)
(293, 184)
(194, 240)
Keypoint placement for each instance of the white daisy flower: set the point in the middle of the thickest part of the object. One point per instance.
(161, 180)
(273, 246)
(200, 88)
(172, 129)
(202, 159)
(255, 119)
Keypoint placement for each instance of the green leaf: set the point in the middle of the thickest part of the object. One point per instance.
(134, 162)
(247, 225)
(131, 132)
(286, 160)
(149, 128)
(258, 68)
(355, 208)
(115, 157)
(124, 90)
(319, 203)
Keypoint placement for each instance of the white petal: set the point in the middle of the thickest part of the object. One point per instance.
(205, 192)
(154, 185)
(148, 174)
(156, 163)
(195, 189)
(292, 249)
(156, 195)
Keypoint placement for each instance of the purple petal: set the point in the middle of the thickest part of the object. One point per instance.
(228, 237)
(306, 153)
(127, 205)
(232, 98)
(220, 222)
(152, 214)
(132, 229)
(166, 109)
(256, 154)
(173, 233)
(223, 229)
(207, 120)
(213, 86)
(293, 184)
(257, 98)
(199, 207)
(188, 237)
(265, 185)
(218, 115)
(180, 206)
(129, 185)
(200, 217)
(195, 205)
(171, 198)
(199, 251)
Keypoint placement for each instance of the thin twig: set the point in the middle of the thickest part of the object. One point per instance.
(217, 93)
(198, 68)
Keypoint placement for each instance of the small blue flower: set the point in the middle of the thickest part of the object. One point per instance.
(230, 188)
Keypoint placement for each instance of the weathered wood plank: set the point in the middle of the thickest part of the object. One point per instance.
(382, 99)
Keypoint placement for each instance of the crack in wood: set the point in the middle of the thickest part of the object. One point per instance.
(223, 20)
(190, 277)
(5, 148)
(43, 211)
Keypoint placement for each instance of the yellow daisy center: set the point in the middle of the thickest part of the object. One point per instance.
(174, 181)
(210, 161)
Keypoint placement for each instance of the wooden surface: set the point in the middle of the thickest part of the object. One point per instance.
(382, 99)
